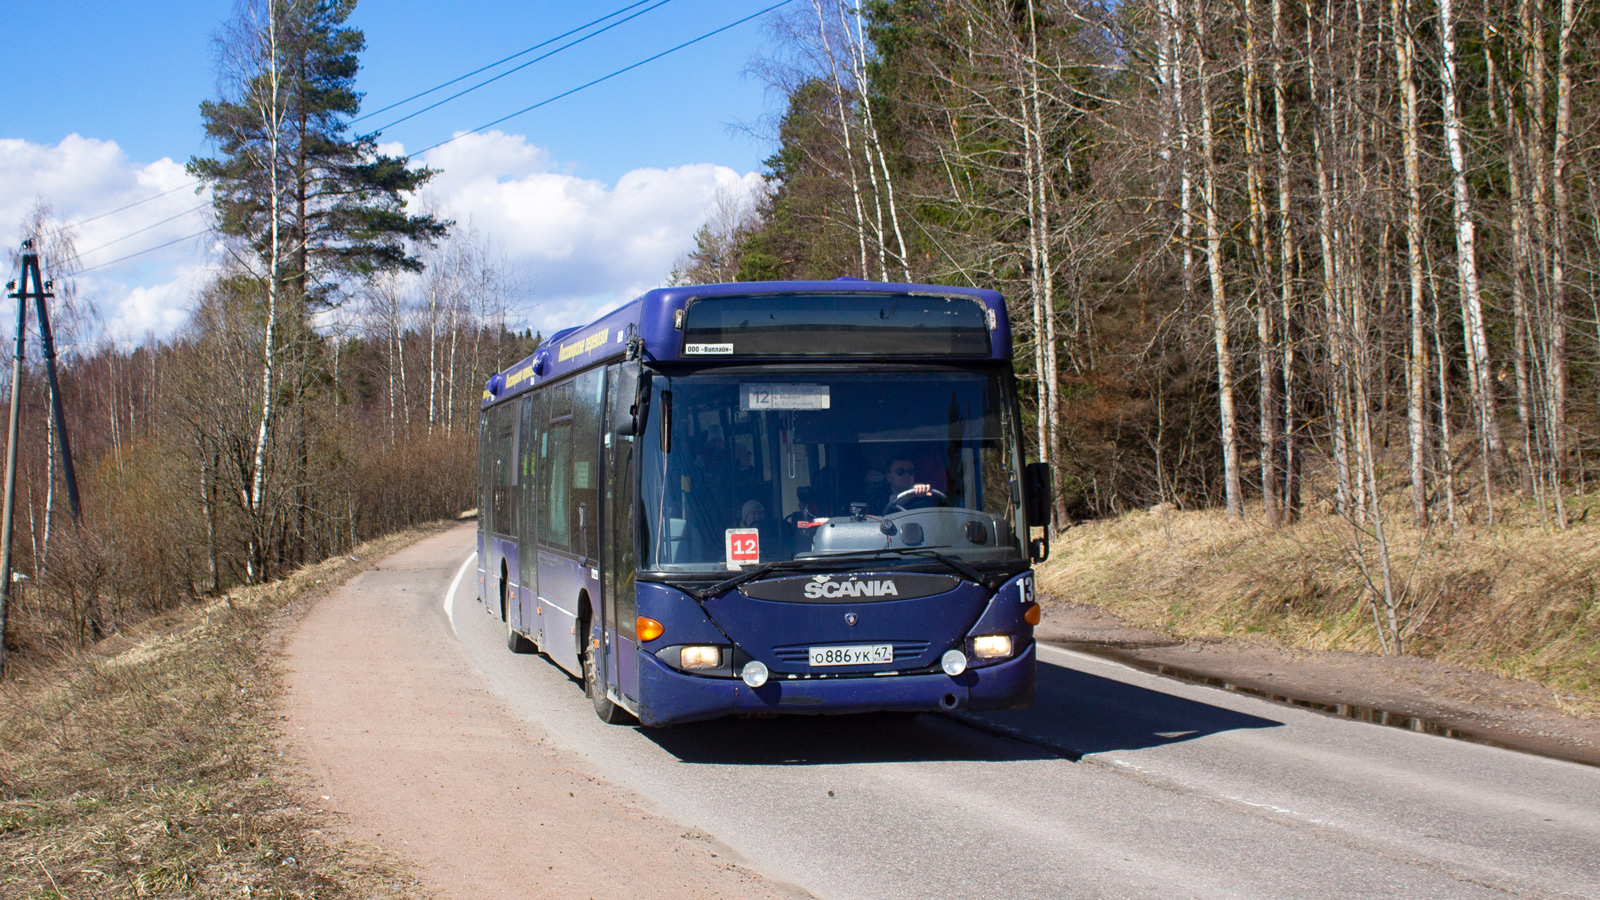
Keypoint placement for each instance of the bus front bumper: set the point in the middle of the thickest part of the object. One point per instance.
(670, 697)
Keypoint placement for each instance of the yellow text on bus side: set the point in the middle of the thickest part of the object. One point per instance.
(576, 348)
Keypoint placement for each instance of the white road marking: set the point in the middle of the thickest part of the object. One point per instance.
(450, 595)
(1074, 654)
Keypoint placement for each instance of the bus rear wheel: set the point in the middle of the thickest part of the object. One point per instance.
(609, 712)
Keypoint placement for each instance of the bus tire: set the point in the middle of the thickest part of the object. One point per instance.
(609, 712)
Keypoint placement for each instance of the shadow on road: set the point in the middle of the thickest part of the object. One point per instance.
(835, 740)
(1075, 714)
(1078, 713)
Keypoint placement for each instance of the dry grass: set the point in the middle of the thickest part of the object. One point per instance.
(1519, 598)
(151, 768)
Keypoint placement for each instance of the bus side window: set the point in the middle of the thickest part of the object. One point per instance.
(584, 506)
(555, 454)
(504, 423)
(484, 458)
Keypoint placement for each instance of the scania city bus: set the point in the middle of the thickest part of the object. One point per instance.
(784, 497)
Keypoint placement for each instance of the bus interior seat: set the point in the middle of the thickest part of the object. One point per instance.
(675, 528)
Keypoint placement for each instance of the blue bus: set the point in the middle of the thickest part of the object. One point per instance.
(769, 498)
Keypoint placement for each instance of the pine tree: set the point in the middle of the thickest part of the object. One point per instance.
(341, 204)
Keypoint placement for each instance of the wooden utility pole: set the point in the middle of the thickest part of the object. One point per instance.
(21, 294)
(39, 293)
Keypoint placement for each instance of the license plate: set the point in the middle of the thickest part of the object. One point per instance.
(855, 655)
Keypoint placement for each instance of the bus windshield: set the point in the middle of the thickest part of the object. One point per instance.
(804, 464)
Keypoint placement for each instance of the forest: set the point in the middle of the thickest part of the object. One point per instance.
(1259, 253)
(1271, 257)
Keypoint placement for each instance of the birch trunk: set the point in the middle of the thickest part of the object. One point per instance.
(1186, 175)
(844, 128)
(858, 58)
(271, 110)
(1261, 245)
(1219, 296)
(1286, 255)
(433, 350)
(1417, 357)
(1479, 374)
(1047, 278)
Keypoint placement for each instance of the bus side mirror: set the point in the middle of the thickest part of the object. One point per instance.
(631, 406)
(1038, 496)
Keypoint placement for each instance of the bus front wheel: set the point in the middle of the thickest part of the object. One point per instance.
(609, 712)
(516, 643)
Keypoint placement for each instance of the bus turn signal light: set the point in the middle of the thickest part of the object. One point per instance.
(648, 629)
(1031, 614)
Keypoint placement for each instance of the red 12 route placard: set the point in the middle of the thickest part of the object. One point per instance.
(744, 547)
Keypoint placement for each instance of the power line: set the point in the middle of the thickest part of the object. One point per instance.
(64, 226)
(445, 84)
(530, 62)
(130, 234)
(480, 128)
(144, 251)
(602, 78)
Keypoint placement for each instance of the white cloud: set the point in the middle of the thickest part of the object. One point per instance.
(583, 246)
(83, 178)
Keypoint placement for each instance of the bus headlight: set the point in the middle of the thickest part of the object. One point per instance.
(754, 673)
(953, 662)
(700, 657)
(991, 646)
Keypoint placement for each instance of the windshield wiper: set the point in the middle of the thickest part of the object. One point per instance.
(959, 567)
(954, 564)
(784, 565)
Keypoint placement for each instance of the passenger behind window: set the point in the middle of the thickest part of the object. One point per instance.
(753, 514)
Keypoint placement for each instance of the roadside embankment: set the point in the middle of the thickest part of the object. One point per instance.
(1499, 626)
(151, 765)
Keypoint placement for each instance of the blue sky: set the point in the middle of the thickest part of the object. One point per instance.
(638, 158)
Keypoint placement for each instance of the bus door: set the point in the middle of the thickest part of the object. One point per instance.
(527, 552)
(618, 524)
(559, 572)
(501, 511)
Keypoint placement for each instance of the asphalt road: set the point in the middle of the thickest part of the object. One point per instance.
(1116, 784)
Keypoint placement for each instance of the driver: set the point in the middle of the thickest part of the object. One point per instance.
(902, 477)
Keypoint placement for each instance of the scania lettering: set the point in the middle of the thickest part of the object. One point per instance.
(832, 589)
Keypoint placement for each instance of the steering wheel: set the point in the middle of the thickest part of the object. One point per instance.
(899, 501)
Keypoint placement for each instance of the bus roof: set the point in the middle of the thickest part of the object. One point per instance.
(655, 320)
